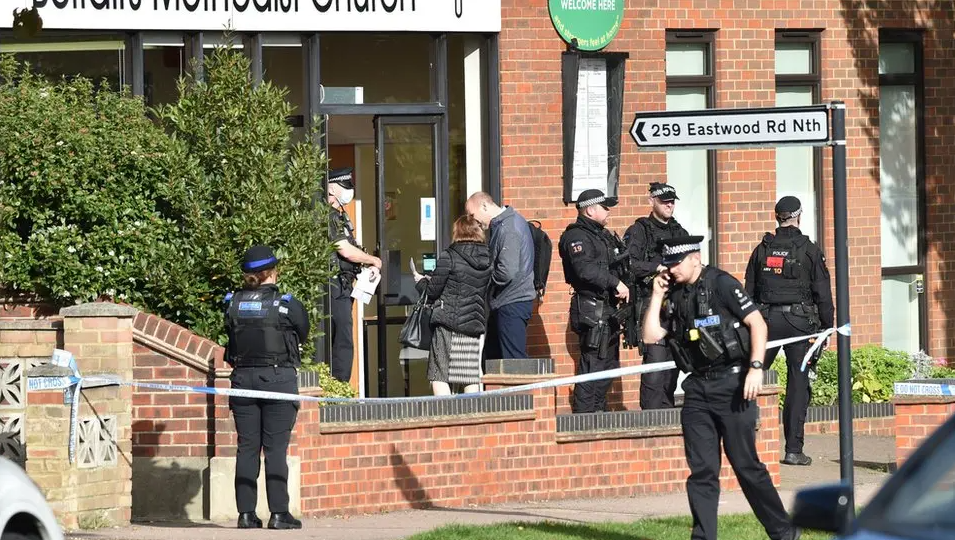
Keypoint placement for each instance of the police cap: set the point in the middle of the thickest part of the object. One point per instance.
(343, 176)
(788, 207)
(259, 258)
(664, 192)
(590, 197)
(675, 250)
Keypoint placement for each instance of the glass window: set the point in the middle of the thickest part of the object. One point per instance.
(163, 66)
(688, 172)
(100, 60)
(794, 58)
(282, 66)
(391, 68)
(897, 174)
(900, 313)
(896, 58)
(686, 59)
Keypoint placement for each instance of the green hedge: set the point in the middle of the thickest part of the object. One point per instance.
(98, 202)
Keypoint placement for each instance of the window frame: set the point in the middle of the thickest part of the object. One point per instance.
(814, 80)
(707, 37)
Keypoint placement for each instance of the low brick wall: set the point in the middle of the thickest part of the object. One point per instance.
(917, 416)
(867, 419)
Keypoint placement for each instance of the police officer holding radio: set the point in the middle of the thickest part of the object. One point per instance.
(717, 334)
(591, 257)
(265, 329)
(787, 275)
(642, 239)
(348, 259)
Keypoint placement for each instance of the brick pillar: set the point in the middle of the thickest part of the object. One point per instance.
(917, 417)
(95, 490)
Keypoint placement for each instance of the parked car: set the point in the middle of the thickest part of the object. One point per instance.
(24, 513)
(916, 503)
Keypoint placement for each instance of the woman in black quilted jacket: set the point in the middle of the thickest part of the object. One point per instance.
(456, 289)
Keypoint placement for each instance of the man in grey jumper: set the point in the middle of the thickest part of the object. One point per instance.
(512, 279)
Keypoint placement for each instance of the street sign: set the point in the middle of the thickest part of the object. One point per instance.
(719, 128)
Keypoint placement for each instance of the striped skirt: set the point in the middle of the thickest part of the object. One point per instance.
(455, 358)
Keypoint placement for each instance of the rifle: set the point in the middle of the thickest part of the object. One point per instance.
(630, 316)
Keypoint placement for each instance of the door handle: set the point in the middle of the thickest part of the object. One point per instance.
(919, 284)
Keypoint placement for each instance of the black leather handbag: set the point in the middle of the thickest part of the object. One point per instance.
(416, 332)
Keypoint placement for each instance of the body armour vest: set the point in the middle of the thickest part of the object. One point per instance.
(258, 334)
(781, 276)
(706, 334)
(611, 250)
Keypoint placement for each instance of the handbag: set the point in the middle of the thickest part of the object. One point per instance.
(416, 332)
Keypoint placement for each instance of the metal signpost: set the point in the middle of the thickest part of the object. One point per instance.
(772, 127)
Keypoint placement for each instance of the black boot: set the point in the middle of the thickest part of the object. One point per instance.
(248, 520)
(797, 458)
(284, 520)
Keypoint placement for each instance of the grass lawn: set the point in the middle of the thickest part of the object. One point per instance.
(732, 527)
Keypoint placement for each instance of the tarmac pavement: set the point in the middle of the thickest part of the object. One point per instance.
(871, 453)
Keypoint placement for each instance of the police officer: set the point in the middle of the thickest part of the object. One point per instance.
(348, 259)
(716, 334)
(787, 275)
(642, 239)
(265, 329)
(589, 253)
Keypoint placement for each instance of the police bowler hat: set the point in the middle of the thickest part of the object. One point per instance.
(259, 258)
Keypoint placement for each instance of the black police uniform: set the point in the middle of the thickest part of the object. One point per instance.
(588, 252)
(642, 239)
(709, 340)
(343, 349)
(787, 275)
(265, 328)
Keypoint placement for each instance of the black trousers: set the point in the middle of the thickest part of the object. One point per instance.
(657, 388)
(263, 424)
(798, 393)
(714, 411)
(341, 322)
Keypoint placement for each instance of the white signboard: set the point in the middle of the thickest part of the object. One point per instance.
(590, 140)
(265, 15)
(715, 128)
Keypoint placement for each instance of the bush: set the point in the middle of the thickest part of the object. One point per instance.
(875, 370)
(99, 202)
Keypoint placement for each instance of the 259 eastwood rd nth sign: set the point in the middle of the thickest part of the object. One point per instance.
(268, 15)
(732, 127)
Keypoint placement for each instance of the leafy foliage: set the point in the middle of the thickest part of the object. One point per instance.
(875, 370)
(99, 202)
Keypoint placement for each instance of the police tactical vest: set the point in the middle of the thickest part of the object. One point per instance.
(346, 267)
(610, 245)
(259, 335)
(655, 234)
(710, 335)
(781, 277)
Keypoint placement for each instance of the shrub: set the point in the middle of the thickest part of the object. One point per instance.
(875, 370)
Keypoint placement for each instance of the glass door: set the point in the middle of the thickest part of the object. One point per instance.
(410, 227)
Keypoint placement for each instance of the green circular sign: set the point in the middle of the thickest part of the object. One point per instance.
(593, 23)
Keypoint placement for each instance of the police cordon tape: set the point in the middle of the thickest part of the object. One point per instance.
(76, 382)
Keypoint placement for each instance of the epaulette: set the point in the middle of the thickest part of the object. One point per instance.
(227, 298)
(287, 297)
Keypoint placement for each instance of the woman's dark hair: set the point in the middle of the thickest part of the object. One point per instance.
(467, 229)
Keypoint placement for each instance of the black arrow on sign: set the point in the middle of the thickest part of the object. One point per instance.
(640, 136)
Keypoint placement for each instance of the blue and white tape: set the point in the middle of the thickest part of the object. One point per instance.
(924, 389)
(76, 382)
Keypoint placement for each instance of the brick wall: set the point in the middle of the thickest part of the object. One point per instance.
(883, 426)
(916, 417)
(532, 149)
(483, 462)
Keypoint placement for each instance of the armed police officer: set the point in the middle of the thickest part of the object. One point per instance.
(787, 275)
(716, 334)
(642, 239)
(265, 329)
(348, 259)
(590, 254)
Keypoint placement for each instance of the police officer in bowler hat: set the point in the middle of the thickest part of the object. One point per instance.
(348, 259)
(265, 329)
(716, 334)
(788, 277)
(590, 254)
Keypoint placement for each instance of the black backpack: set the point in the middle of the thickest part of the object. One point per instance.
(543, 249)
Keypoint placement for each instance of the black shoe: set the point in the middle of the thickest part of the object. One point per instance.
(248, 520)
(795, 533)
(284, 520)
(797, 458)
